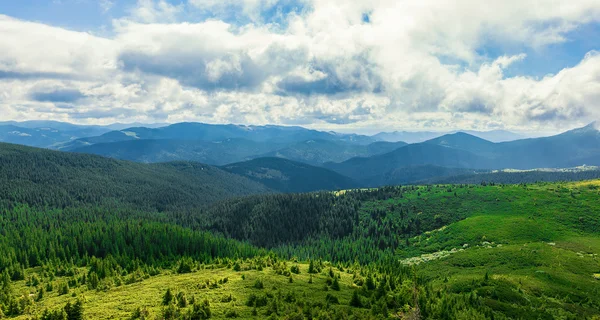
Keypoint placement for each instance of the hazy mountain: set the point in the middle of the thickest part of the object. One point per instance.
(121, 126)
(321, 151)
(211, 132)
(464, 151)
(572, 148)
(375, 167)
(290, 176)
(209, 152)
(496, 135)
(407, 136)
(45, 136)
(414, 174)
(421, 136)
(466, 142)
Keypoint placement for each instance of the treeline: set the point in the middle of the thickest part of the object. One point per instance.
(353, 225)
(30, 237)
(516, 177)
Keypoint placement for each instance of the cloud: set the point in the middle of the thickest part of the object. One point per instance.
(318, 63)
(59, 95)
(151, 11)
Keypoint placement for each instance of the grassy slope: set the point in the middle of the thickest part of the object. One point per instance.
(539, 244)
(120, 302)
(542, 242)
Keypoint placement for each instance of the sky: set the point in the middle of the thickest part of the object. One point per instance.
(351, 66)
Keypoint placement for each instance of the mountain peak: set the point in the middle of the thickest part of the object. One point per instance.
(590, 128)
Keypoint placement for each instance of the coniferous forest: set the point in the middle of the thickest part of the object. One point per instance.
(85, 237)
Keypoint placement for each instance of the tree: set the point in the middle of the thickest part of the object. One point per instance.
(74, 311)
(93, 280)
(168, 297)
(355, 300)
(335, 285)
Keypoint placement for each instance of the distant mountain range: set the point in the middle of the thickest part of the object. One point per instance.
(461, 150)
(349, 159)
(422, 136)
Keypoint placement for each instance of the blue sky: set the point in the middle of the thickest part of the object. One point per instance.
(513, 64)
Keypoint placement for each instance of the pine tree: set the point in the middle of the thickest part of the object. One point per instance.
(335, 285)
(168, 297)
(355, 300)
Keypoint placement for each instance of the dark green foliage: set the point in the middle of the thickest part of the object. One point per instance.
(74, 311)
(43, 178)
(258, 284)
(167, 297)
(185, 265)
(331, 299)
(335, 285)
(295, 269)
(54, 315)
(355, 301)
(260, 219)
(290, 176)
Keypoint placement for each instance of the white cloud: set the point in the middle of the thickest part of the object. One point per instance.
(378, 63)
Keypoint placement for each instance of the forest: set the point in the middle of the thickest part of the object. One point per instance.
(93, 238)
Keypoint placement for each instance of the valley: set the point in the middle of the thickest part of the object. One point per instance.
(457, 251)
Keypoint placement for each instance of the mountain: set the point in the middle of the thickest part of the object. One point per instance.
(569, 149)
(209, 152)
(496, 135)
(465, 142)
(290, 176)
(317, 152)
(421, 136)
(30, 175)
(407, 136)
(45, 133)
(376, 167)
(464, 151)
(520, 176)
(417, 174)
(214, 132)
(576, 147)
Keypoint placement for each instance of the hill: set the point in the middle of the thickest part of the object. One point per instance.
(290, 176)
(42, 177)
(516, 177)
(418, 175)
(375, 168)
(74, 237)
(318, 152)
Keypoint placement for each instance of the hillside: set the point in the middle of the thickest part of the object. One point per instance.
(290, 176)
(57, 179)
(317, 152)
(516, 177)
(375, 168)
(418, 175)
(88, 229)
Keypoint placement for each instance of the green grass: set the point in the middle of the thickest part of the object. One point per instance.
(538, 244)
(118, 302)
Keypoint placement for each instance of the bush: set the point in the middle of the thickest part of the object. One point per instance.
(258, 284)
(295, 269)
(331, 299)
